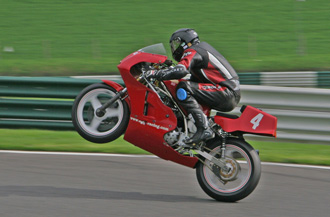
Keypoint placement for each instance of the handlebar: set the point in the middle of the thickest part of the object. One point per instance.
(154, 66)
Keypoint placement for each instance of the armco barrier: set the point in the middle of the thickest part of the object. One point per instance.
(45, 103)
(303, 113)
(287, 79)
(39, 102)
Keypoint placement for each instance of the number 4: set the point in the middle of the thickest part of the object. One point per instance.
(256, 120)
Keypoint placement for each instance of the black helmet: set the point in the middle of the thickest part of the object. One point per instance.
(180, 40)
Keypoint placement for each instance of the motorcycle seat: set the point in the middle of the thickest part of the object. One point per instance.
(226, 115)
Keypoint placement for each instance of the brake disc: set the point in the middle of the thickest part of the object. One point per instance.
(229, 175)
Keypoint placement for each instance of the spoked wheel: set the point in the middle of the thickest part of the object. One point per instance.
(92, 127)
(239, 181)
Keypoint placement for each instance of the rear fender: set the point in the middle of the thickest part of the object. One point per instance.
(252, 120)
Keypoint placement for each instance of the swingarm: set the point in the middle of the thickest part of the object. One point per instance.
(219, 162)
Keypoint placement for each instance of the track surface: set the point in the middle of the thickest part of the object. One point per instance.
(78, 186)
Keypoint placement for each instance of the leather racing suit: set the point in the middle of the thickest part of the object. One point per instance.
(213, 82)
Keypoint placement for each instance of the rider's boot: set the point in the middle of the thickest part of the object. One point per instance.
(203, 130)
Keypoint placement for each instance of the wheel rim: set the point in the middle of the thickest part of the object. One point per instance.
(238, 161)
(90, 122)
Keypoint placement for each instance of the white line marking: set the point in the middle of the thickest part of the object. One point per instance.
(296, 165)
(147, 156)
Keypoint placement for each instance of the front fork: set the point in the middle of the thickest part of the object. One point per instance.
(100, 112)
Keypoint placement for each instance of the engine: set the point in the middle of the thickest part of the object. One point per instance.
(172, 137)
(176, 137)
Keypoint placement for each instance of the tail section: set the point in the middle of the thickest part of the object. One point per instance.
(252, 120)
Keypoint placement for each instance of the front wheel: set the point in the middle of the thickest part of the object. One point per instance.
(240, 181)
(92, 127)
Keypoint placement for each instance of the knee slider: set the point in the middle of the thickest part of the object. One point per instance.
(181, 94)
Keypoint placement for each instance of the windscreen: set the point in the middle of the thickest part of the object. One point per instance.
(155, 49)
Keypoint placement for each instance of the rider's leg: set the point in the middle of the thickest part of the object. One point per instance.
(190, 104)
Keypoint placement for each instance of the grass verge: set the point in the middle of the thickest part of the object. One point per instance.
(69, 141)
(90, 37)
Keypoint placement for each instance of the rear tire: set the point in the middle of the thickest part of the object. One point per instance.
(240, 181)
(99, 129)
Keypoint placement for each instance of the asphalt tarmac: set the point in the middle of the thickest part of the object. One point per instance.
(73, 185)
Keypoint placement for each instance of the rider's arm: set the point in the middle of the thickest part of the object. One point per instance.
(177, 72)
(190, 59)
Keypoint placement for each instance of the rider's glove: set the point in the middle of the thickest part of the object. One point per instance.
(158, 74)
(170, 73)
(151, 74)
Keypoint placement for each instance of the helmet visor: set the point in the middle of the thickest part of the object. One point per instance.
(175, 44)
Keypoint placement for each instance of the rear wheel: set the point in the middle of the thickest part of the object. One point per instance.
(240, 181)
(99, 129)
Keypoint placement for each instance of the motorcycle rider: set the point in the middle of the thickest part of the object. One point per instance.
(213, 80)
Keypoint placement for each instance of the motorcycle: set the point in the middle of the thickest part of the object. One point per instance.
(147, 112)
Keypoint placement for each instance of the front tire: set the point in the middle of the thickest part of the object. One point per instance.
(99, 129)
(240, 181)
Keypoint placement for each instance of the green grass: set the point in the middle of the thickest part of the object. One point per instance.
(68, 141)
(67, 37)
(45, 140)
(293, 152)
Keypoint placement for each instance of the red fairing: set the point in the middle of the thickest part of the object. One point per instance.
(150, 119)
(252, 121)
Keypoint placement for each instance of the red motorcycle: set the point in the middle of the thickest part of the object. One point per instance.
(147, 111)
